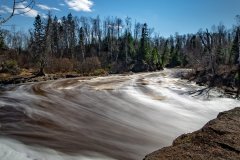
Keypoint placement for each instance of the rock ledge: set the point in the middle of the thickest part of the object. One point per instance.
(219, 139)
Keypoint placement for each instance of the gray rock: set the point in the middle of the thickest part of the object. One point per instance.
(219, 139)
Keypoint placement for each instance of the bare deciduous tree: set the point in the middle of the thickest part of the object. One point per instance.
(207, 41)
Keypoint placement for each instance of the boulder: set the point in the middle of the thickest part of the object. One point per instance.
(219, 139)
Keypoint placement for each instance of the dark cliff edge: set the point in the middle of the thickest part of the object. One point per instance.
(219, 139)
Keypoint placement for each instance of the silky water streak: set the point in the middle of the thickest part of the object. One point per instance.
(115, 117)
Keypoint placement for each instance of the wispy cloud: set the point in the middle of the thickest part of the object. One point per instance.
(6, 9)
(61, 4)
(44, 16)
(45, 7)
(22, 9)
(2, 11)
(30, 12)
(80, 5)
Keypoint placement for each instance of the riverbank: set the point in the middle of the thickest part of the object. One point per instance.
(218, 139)
(225, 79)
(117, 116)
(25, 79)
(31, 77)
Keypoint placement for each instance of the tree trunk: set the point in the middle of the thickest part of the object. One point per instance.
(238, 81)
(40, 73)
(238, 91)
(41, 70)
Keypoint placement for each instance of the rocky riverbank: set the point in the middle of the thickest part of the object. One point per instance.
(218, 139)
(25, 79)
(225, 79)
(18, 79)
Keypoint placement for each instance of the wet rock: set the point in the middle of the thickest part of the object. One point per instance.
(219, 139)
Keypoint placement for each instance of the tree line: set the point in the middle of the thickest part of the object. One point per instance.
(84, 44)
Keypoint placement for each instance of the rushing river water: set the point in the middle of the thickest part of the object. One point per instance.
(116, 117)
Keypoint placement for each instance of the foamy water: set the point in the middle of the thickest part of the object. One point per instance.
(115, 117)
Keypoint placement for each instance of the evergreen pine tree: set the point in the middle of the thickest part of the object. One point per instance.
(144, 46)
(38, 44)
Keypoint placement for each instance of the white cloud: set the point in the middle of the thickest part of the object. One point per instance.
(115, 26)
(6, 9)
(22, 9)
(44, 16)
(80, 5)
(30, 12)
(45, 7)
(2, 11)
(61, 4)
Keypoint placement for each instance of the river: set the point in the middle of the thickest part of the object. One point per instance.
(119, 117)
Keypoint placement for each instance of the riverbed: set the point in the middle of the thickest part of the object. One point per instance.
(119, 117)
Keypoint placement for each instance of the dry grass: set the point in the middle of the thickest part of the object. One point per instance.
(26, 72)
(5, 76)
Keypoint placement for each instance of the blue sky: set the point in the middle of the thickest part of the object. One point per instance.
(165, 16)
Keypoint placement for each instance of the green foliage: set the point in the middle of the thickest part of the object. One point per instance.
(57, 43)
(155, 56)
(127, 45)
(237, 77)
(38, 38)
(10, 66)
(131, 49)
(183, 60)
(174, 60)
(99, 72)
(147, 55)
(38, 29)
(145, 52)
(164, 59)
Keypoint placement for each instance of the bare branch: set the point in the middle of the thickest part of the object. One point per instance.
(21, 1)
(30, 5)
(15, 7)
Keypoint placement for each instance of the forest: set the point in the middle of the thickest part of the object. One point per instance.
(92, 46)
(112, 86)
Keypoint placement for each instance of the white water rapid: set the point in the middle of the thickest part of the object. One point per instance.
(122, 117)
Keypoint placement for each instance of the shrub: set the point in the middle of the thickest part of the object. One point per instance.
(89, 65)
(99, 72)
(59, 65)
(10, 66)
